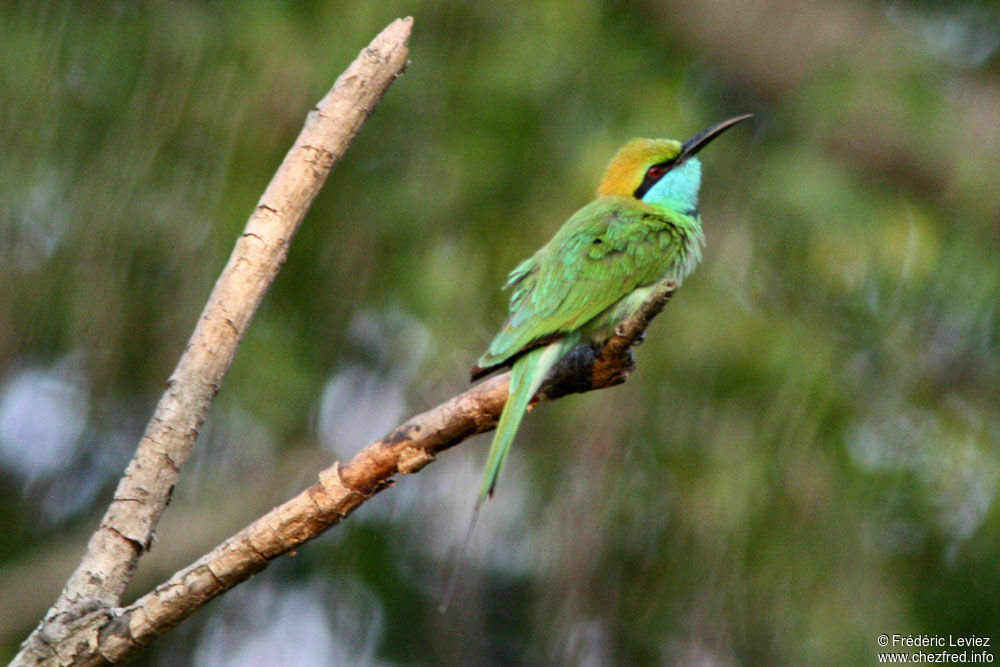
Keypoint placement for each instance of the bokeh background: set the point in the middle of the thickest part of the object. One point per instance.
(805, 458)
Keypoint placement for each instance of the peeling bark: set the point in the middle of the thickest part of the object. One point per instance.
(69, 632)
(343, 488)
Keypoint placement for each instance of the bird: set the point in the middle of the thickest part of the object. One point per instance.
(643, 227)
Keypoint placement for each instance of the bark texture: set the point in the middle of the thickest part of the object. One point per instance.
(344, 487)
(72, 629)
(87, 625)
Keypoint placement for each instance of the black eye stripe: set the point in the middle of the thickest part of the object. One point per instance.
(650, 179)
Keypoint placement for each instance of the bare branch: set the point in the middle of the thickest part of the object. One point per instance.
(341, 489)
(85, 627)
(68, 632)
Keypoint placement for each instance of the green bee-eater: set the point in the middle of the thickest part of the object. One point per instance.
(597, 270)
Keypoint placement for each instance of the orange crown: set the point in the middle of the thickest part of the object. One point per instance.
(629, 165)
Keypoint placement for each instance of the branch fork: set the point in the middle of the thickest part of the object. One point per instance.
(87, 625)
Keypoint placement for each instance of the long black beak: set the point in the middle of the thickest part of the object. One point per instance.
(700, 140)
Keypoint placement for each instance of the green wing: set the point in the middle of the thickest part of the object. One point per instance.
(600, 255)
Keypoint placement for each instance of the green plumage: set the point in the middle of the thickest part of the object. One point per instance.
(595, 272)
(590, 276)
(582, 278)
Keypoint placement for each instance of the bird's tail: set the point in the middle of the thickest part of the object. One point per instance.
(525, 378)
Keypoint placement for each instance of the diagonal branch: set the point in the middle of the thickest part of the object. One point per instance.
(85, 626)
(341, 489)
(127, 528)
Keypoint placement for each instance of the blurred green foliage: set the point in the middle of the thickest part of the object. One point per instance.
(806, 457)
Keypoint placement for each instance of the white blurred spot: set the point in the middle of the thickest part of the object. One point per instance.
(358, 406)
(965, 484)
(964, 36)
(43, 413)
(362, 402)
(40, 219)
(395, 340)
(586, 642)
(951, 459)
(504, 540)
(892, 439)
(265, 624)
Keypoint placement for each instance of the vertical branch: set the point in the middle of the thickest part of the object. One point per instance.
(127, 528)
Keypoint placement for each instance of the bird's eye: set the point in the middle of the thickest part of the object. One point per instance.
(653, 174)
